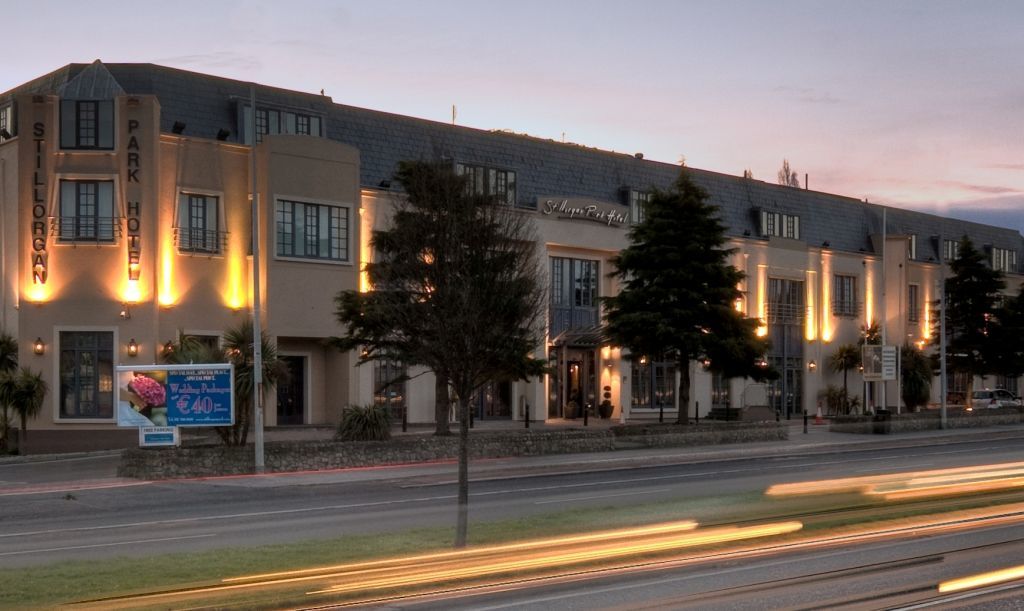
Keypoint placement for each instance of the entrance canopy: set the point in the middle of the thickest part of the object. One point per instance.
(585, 337)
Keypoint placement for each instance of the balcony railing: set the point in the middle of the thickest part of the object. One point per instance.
(563, 318)
(86, 228)
(200, 240)
(848, 308)
(786, 313)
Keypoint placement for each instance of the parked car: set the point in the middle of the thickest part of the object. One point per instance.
(982, 399)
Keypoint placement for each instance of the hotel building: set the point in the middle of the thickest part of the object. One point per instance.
(126, 223)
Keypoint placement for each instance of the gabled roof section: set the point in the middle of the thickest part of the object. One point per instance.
(93, 83)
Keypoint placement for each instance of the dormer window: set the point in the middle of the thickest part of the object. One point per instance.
(1004, 260)
(912, 247)
(951, 250)
(780, 225)
(87, 124)
(638, 206)
(482, 180)
(6, 122)
(270, 121)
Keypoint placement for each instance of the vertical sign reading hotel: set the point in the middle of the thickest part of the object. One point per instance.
(133, 197)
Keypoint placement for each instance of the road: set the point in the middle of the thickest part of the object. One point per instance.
(894, 574)
(100, 518)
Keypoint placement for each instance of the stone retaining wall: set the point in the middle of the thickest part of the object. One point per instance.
(929, 421)
(168, 463)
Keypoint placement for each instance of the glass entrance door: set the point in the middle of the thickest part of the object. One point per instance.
(291, 395)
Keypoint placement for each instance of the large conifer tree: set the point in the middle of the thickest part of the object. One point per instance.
(972, 296)
(678, 291)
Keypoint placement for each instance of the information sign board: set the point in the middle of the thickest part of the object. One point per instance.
(158, 436)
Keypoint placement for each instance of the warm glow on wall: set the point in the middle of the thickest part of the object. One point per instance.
(869, 296)
(926, 320)
(811, 324)
(131, 293)
(234, 297)
(38, 293)
(365, 256)
(762, 289)
(826, 299)
(167, 295)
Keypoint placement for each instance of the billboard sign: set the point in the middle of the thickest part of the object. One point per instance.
(879, 363)
(176, 395)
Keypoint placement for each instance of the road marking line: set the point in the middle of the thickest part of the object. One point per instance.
(223, 517)
(67, 487)
(599, 496)
(94, 545)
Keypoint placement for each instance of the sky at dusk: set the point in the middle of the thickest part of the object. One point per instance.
(912, 104)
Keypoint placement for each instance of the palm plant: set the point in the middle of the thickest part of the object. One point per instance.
(238, 347)
(846, 357)
(8, 364)
(27, 398)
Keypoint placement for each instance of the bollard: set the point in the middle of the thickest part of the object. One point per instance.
(661, 412)
(526, 416)
(471, 415)
(696, 412)
(586, 413)
(805, 422)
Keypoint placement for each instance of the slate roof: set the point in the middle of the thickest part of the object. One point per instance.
(208, 103)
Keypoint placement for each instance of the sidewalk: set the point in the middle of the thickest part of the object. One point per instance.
(818, 440)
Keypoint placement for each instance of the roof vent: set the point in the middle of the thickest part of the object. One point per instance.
(638, 155)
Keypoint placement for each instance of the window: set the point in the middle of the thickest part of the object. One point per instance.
(312, 231)
(86, 374)
(638, 206)
(1007, 383)
(482, 180)
(951, 250)
(913, 303)
(87, 211)
(1004, 260)
(780, 225)
(87, 124)
(6, 122)
(389, 385)
(198, 228)
(573, 294)
(719, 390)
(912, 247)
(844, 295)
(653, 385)
(274, 121)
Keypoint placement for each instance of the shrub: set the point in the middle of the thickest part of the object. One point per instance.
(367, 423)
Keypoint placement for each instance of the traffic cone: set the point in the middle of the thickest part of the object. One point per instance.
(817, 417)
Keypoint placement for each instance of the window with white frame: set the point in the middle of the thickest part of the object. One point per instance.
(87, 211)
(86, 374)
(950, 250)
(844, 295)
(638, 206)
(198, 227)
(270, 121)
(912, 247)
(780, 225)
(483, 180)
(913, 303)
(87, 124)
(312, 230)
(1004, 260)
